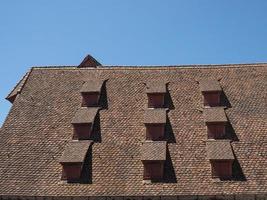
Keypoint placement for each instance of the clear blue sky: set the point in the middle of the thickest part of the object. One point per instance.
(127, 32)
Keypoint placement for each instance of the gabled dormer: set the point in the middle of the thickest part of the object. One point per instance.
(153, 158)
(83, 123)
(91, 91)
(72, 160)
(211, 91)
(155, 120)
(221, 157)
(216, 122)
(156, 92)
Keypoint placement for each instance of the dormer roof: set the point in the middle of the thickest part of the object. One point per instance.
(85, 115)
(209, 85)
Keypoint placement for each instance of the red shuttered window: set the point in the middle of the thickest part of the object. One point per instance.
(155, 100)
(153, 170)
(216, 131)
(90, 99)
(71, 172)
(211, 99)
(82, 131)
(155, 131)
(221, 169)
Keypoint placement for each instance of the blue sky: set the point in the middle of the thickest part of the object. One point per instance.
(127, 32)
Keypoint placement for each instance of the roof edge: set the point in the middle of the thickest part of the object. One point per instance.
(11, 97)
(189, 66)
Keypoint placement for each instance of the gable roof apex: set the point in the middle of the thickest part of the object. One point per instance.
(89, 61)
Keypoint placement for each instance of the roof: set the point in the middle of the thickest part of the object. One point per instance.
(153, 151)
(85, 115)
(17, 89)
(89, 61)
(214, 114)
(155, 116)
(38, 127)
(92, 86)
(75, 151)
(219, 150)
(209, 85)
(156, 87)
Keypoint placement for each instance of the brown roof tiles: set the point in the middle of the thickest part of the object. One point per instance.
(85, 115)
(92, 86)
(75, 151)
(153, 150)
(89, 61)
(34, 135)
(214, 114)
(155, 116)
(209, 85)
(219, 150)
(156, 87)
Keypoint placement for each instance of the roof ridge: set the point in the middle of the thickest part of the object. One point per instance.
(192, 66)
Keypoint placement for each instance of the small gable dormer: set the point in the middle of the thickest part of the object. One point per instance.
(155, 120)
(153, 158)
(90, 92)
(72, 160)
(221, 157)
(211, 91)
(216, 121)
(156, 94)
(83, 123)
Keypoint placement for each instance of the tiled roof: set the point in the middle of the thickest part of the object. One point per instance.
(85, 115)
(17, 89)
(89, 61)
(214, 114)
(75, 151)
(153, 150)
(219, 150)
(92, 86)
(155, 116)
(209, 85)
(156, 87)
(38, 127)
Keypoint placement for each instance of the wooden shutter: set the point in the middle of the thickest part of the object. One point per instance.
(147, 171)
(155, 100)
(82, 131)
(71, 171)
(155, 131)
(216, 131)
(153, 170)
(222, 169)
(90, 99)
(211, 98)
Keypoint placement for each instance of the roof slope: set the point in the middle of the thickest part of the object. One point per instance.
(39, 126)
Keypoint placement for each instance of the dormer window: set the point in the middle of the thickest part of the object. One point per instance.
(211, 91)
(72, 160)
(83, 123)
(91, 93)
(216, 121)
(156, 94)
(153, 158)
(221, 158)
(155, 120)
